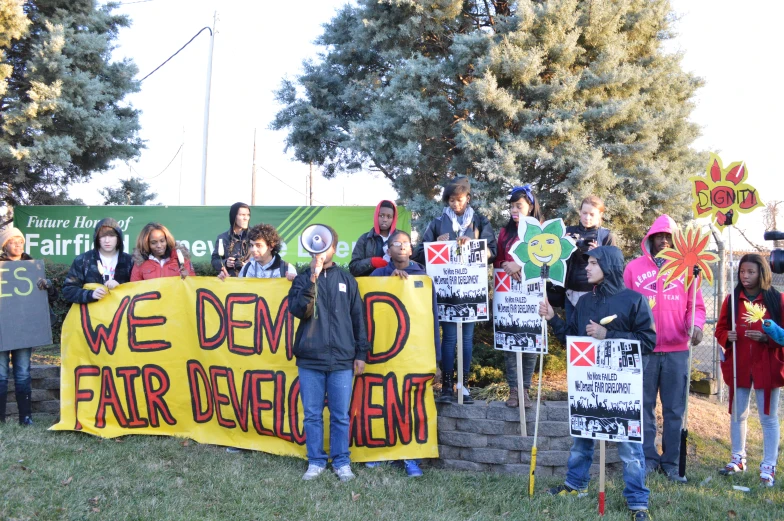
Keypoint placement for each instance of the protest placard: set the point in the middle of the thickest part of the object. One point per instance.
(460, 278)
(24, 309)
(516, 320)
(604, 379)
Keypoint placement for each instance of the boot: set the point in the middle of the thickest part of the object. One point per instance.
(467, 398)
(25, 408)
(447, 393)
(514, 400)
(3, 398)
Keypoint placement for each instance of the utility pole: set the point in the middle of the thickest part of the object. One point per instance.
(253, 173)
(207, 113)
(310, 184)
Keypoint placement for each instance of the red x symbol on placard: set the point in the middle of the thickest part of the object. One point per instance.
(503, 282)
(437, 253)
(582, 354)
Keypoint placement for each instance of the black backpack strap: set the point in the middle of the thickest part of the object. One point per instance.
(284, 268)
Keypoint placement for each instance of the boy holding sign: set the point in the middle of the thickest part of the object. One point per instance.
(632, 320)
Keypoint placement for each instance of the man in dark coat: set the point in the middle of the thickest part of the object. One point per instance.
(634, 321)
(234, 241)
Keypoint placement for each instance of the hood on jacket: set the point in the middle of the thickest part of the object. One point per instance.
(610, 260)
(111, 223)
(394, 217)
(138, 258)
(663, 224)
(235, 208)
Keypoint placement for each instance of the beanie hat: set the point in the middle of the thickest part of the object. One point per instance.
(8, 233)
(235, 208)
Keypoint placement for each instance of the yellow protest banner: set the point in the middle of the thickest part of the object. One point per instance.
(212, 361)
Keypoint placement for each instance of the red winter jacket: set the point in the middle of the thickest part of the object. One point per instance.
(760, 362)
(152, 269)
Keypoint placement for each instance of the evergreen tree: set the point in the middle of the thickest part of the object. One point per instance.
(131, 191)
(573, 96)
(62, 115)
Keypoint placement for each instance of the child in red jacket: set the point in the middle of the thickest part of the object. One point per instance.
(759, 361)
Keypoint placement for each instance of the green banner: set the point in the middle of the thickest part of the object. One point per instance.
(60, 233)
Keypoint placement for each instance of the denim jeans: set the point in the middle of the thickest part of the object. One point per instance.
(633, 460)
(449, 345)
(769, 422)
(529, 363)
(664, 374)
(21, 361)
(336, 387)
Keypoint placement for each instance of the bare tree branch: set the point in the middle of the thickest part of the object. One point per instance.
(758, 247)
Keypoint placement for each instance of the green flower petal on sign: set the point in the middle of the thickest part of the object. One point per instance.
(522, 252)
(557, 272)
(555, 227)
(531, 232)
(567, 248)
(531, 271)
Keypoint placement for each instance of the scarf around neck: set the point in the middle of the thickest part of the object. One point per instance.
(457, 227)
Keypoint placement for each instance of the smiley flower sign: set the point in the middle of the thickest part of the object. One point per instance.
(543, 244)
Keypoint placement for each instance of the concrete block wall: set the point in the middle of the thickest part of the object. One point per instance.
(46, 391)
(485, 437)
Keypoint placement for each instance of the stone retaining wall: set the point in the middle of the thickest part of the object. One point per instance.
(486, 437)
(46, 391)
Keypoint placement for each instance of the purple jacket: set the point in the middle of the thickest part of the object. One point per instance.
(671, 306)
(414, 268)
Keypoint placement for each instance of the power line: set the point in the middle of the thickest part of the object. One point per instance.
(170, 162)
(176, 53)
(288, 185)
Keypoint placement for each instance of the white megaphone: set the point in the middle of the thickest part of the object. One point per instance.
(316, 239)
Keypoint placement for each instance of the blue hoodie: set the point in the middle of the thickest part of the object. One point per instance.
(634, 319)
(414, 268)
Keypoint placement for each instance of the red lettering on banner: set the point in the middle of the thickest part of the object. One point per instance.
(109, 398)
(135, 322)
(155, 403)
(401, 333)
(205, 296)
(101, 334)
(218, 398)
(274, 328)
(259, 405)
(403, 414)
(231, 324)
(296, 433)
(196, 376)
(128, 375)
(81, 395)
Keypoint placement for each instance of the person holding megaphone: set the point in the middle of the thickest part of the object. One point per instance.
(330, 346)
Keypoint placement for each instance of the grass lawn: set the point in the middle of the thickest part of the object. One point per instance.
(64, 475)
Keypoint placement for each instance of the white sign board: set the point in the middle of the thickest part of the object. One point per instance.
(460, 277)
(604, 380)
(516, 321)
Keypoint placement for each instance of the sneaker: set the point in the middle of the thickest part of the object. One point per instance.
(767, 473)
(313, 472)
(233, 450)
(513, 400)
(412, 468)
(640, 515)
(736, 464)
(344, 473)
(566, 490)
(374, 464)
(26, 421)
(674, 475)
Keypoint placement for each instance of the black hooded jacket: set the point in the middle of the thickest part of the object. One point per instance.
(84, 269)
(634, 320)
(336, 337)
(234, 244)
